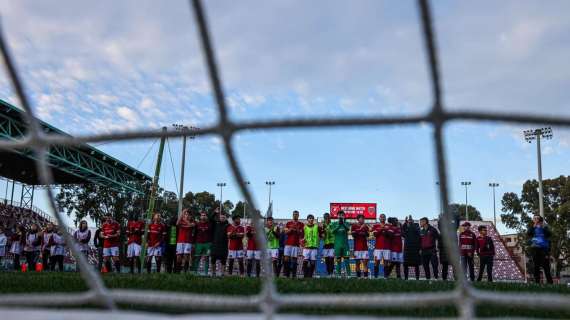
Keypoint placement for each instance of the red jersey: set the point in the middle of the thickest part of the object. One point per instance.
(382, 233)
(360, 235)
(156, 233)
(485, 246)
(184, 233)
(135, 230)
(250, 232)
(295, 232)
(111, 229)
(396, 241)
(236, 241)
(203, 232)
(467, 243)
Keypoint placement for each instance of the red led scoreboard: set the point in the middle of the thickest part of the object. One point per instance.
(352, 210)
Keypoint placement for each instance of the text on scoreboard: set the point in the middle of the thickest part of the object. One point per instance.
(352, 210)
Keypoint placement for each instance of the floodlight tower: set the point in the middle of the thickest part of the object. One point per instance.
(269, 183)
(530, 135)
(466, 184)
(182, 128)
(494, 185)
(221, 185)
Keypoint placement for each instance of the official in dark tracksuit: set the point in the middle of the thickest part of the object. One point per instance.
(429, 236)
(486, 252)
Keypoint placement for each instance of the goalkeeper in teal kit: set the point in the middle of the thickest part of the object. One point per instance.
(340, 229)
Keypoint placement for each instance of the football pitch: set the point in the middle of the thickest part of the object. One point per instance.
(12, 283)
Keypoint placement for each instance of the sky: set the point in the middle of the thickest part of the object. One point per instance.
(106, 66)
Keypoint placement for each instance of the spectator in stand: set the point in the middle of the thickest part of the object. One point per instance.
(135, 231)
(486, 252)
(467, 247)
(443, 260)
(156, 235)
(220, 244)
(57, 250)
(171, 240)
(381, 232)
(18, 241)
(111, 231)
(539, 237)
(98, 243)
(429, 236)
(412, 246)
(32, 246)
(46, 235)
(3, 244)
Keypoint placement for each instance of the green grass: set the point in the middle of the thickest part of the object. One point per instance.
(71, 282)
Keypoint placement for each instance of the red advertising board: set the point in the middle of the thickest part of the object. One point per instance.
(352, 210)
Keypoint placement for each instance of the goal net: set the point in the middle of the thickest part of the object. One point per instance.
(268, 301)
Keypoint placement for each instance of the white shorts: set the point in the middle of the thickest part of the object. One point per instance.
(235, 254)
(380, 254)
(183, 248)
(397, 256)
(2, 251)
(133, 250)
(154, 252)
(273, 253)
(328, 253)
(253, 254)
(111, 252)
(291, 251)
(361, 255)
(310, 254)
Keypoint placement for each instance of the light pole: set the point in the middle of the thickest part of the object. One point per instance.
(494, 185)
(221, 185)
(245, 201)
(466, 184)
(530, 135)
(269, 183)
(441, 198)
(182, 128)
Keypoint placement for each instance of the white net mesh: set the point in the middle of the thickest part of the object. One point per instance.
(268, 301)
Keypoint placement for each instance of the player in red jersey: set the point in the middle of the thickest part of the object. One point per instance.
(184, 230)
(236, 232)
(467, 248)
(253, 255)
(382, 234)
(110, 232)
(135, 230)
(294, 231)
(203, 242)
(396, 255)
(360, 232)
(156, 234)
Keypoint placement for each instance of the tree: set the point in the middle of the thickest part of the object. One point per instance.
(458, 210)
(96, 201)
(518, 212)
(239, 210)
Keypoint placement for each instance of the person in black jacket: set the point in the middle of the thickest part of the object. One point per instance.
(539, 237)
(429, 236)
(219, 248)
(443, 259)
(411, 235)
(170, 245)
(98, 243)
